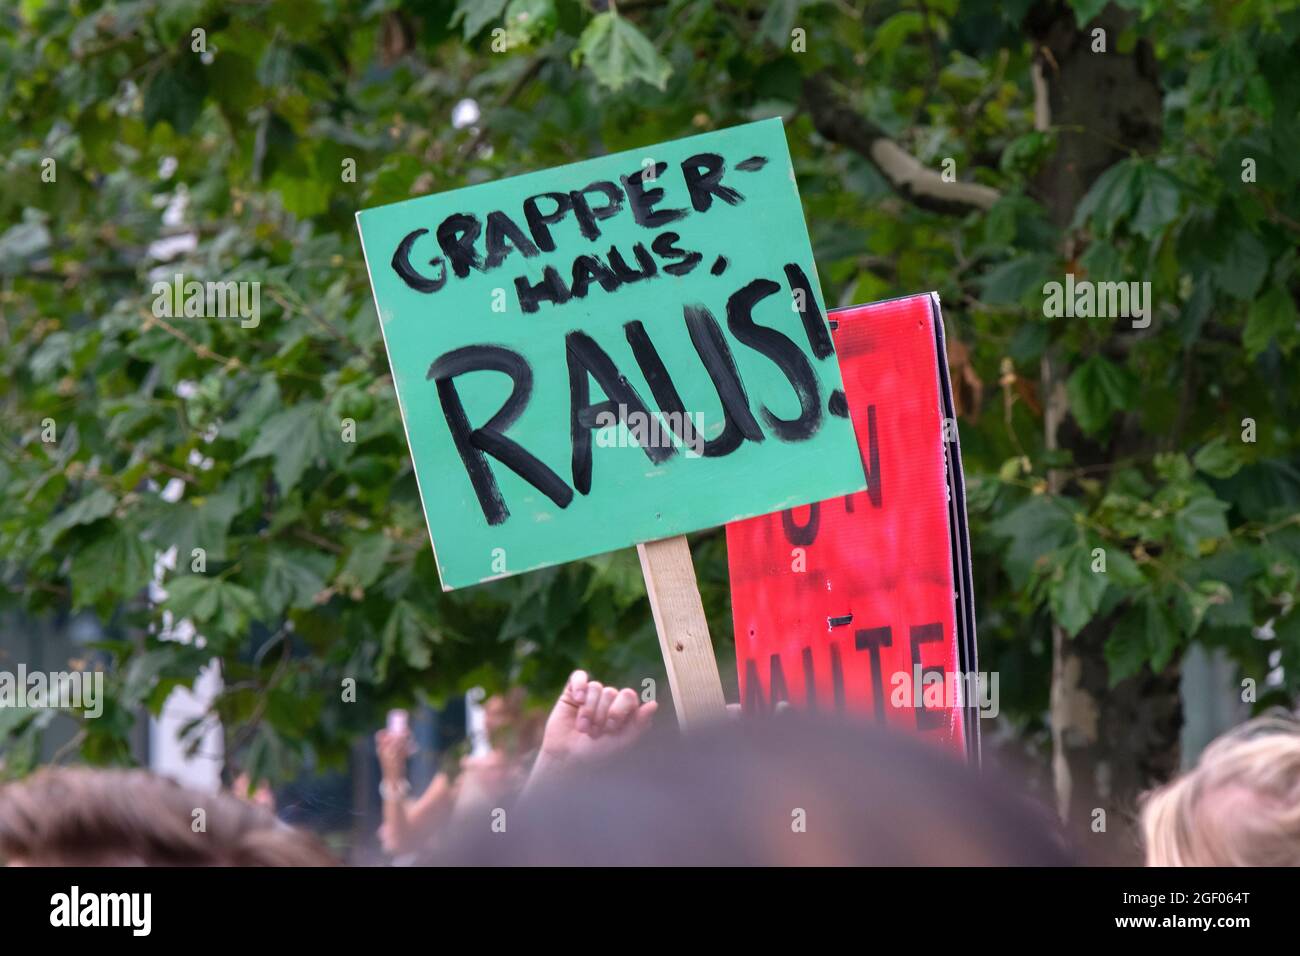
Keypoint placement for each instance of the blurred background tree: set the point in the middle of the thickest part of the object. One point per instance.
(977, 148)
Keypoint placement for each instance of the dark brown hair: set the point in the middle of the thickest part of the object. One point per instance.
(64, 816)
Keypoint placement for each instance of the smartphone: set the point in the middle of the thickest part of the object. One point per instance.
(398, 721)
(476, 723)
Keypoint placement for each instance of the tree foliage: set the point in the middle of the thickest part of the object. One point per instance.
(231, 164)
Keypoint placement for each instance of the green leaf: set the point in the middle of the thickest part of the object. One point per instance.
(253, 410)
(1219, 459)
(215, 605)
(1243, 265)
(195, 596)
(23, 242)
(618, 53)
(1110, 199)
(1158, 207)
(1287, 629)
(295, 438)
(1173, 467)
(1126, 647)
(176, 93)
(187, 526)
(118, 563)
(98, 504)
(1235, 612)
(474, 15)
(1200, 520)
(291, 710)
(617, 579)
(1272, 316)
(1097, 389)
(365, 561)
(303, 190)
(1121, 569)
(1011, 282)
(1103, 258)
(1076, 589)
(1262, 488)
(1035, 527)
(233, 80)
(778, 21)
(1196, 310)
(1027, 152)
(1086, 10)
(1162, 635)
(408, 635)
(528, 21)
(143, 673)
(1193, 605)
(290, 577)
(1144, 635)
(894, 30)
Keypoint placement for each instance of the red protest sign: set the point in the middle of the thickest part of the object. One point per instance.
(863, 603)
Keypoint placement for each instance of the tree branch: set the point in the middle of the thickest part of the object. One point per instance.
(920, 185)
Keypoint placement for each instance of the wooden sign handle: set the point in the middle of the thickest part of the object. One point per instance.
(683, 630)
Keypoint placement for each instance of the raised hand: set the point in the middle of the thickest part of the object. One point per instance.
(590, 720)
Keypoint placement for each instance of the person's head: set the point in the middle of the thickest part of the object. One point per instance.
(503, 710)
(79, 816)
(1239, 806)
(786, 791)
(512, 725)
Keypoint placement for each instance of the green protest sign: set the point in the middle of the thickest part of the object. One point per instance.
(611, 352)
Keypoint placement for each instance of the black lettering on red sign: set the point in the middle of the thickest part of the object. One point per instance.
(801, 535)
(755, 703)
(809, 683)
(871, 464)
(872, 639)
(926, 634)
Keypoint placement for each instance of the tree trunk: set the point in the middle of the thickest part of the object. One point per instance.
(1109, 744)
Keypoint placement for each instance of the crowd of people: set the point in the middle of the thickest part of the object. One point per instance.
(598, 780)
(588, 720)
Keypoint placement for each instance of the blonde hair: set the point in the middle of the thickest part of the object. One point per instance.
(1240, 805)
